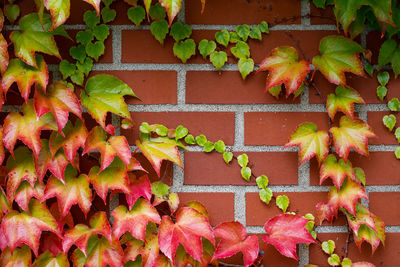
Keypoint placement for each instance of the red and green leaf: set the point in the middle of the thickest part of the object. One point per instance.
(102, 253)
(351, 134)
(343, 100)
(20, 257)
(95, 4)
(285, 67)
(371, 236)
(337, 170)
(138, 187)
(25, 192)
(4, 57)
(311, 142)
(47, 259)
(59, 10)
(172, 7)
(148, 250)
(161, 193)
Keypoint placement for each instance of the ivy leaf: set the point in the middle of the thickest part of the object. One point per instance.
(243, 31)
(58, 100)
(243, 160)
(80, 234)
(161, 193)
(25, 192)
(363, 217)
(190, 226)
(101, 32)
(66, 68)
(228, 156)
(36, 22)
(246, 173)
(338, 55)
(185, 49)
(343, 100)
(334, 260)
(285, 67)
(12, 12)
(156, 152)
(351, 134)
(285, 231)
(75, 190)
(140, 187)
(47, 259)
(59, 10)
(395, 61)
(103, 253)
(134, 220)
(180, 31)
(85, 67)
(26, 228)
(25, 76)
(159, 29)
(4, 57)
(95, 4)
(206, 47)
(347, 196)
(180, 132)
(282, 202)
(328, 246)
(389, 121)
(19, 257)
(104, 93)
(325, 211)
(157, 12)
(263, 26)
(241, 50)
(255, 33)
(246, 66)
(149, 251)
(234, 239)
(108, 14)
(172, 7)
(222, 37)
(394, 104)
(108, 148)
(220, 146)
(386, 52)
(114, 177)
(310, 141)
(26, 128)
(218, 59)
(27, 43)
(78, 53)
(337, 170)
(136, 15)
(381, 92)
(95, 50)
(265, 195)
(4, 205)
(74, 138)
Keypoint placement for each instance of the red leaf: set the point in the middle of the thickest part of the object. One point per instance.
(234, 239)
(140, 187)
(285, 231)
(102, 253)
(148, 250)
(25, 192)
(115, 145)
(21, 257)
(189, 228)
(59, 99)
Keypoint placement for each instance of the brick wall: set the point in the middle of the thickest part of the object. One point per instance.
(222, 106)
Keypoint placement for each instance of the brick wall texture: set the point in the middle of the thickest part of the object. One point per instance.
(223, 106)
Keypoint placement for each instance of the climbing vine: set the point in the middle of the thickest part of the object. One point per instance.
(46, 143)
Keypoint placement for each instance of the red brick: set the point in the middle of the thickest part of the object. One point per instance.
(257, 212)
(210, 169)
(386, 206)
(383, 256)
(239, 12)
(214, 125)
(365, 86)
(152, 87)
(322, 16)
(228, 87)
(275, 128)
(384, 136)
(220, 206)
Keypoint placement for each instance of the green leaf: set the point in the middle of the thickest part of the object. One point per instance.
(241, 50)
(32, 22)
(90, 18)
(206, 47)
(243, 31)
(255, 33)
(394, 104)
(396, 62)
(12, 12)
(386, 52)
(101, 32)
(328, 246)
(108, 14)
(243, 160)
(282, 202)
(263, 26)
(334, 260)
(246, 66)
(389, 121)
(233, 37)
(189, 139)
(180, 132)
(208, 146)
(397, 134)
(180, 31)
(77, 77)
(78, 53)
(145, 128)
(246, 173)
(360, 175)
(201, 140)
(107, 3)
(84, 37)
(397, 153)
(220, 146)
(104, 93)
(161, 130)
(369, 69)
(95, 50)
(228, 156)
(66, 68)
(218, 59)
(319, 3)
(346, 262)
(262, 181)
(275, 91)
(383, 78)
(265, 195)
(381, 92)
(159, 29)
(86, 66)
(136, 15)
(185, 49)
(222, 37)
(158, 12)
